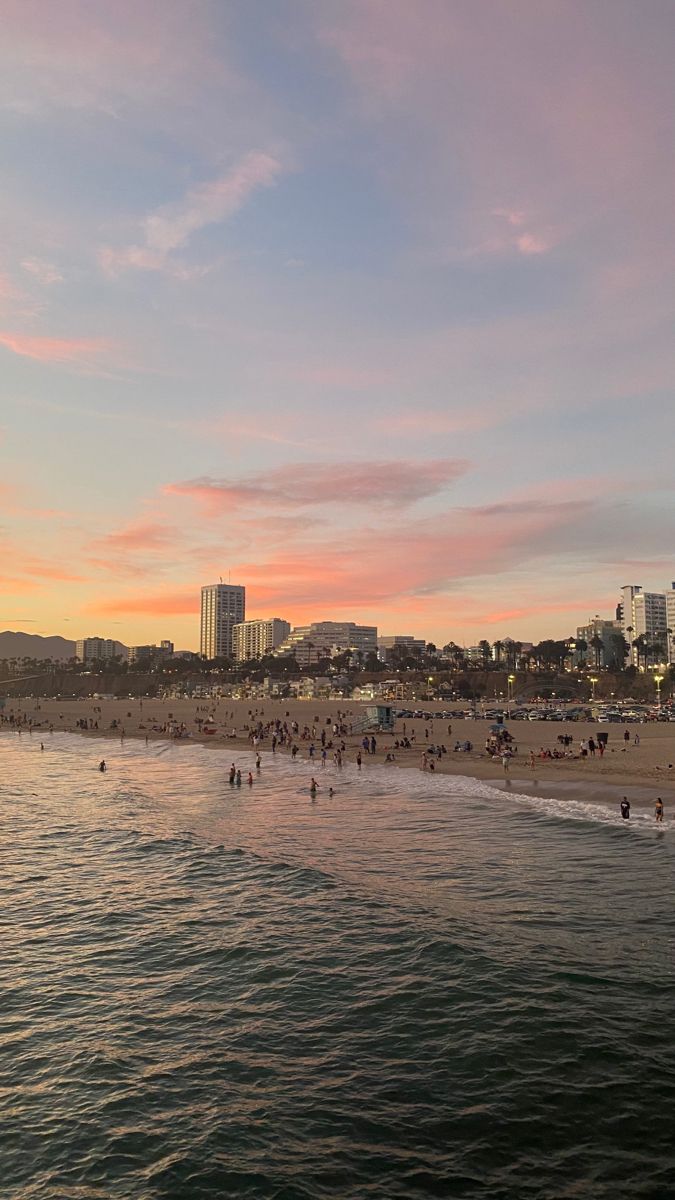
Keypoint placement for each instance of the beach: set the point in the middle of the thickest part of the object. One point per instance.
(642, 770)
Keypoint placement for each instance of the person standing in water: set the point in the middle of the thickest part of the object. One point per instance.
(313, 787)
(102, 765)
(625, 808)
(658, 809)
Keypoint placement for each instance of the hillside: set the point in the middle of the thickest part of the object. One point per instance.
(31, 645)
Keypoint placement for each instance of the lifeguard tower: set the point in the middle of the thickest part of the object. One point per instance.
(376, 717)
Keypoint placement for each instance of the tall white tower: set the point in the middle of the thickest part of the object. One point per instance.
(223, 607)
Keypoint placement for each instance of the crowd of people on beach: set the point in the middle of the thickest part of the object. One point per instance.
(329, 738)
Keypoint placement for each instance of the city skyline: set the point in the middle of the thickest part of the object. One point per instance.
(368, 304)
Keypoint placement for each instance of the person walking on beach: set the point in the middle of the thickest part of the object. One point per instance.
(506, 759)
(626, 738)
(625, 808)
(658, 810)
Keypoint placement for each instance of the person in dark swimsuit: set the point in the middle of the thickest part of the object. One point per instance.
(625, 808)
(658, 809)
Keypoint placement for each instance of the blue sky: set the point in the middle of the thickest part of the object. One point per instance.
(247, 244)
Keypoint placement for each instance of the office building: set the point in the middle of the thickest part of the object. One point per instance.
(223, 606)
(164, 650)
(609, 653)
(253, 639)
(396, 645)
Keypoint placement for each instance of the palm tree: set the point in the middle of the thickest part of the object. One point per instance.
(498, 647)
(639, 647)
(486, 652)
(599, 646)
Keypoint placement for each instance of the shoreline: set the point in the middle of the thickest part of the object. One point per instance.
(626, 769)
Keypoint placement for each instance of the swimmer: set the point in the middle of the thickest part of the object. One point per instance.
(250, 780)
(625, 808)
(238, 779)
(102, 765)
(233, 772)
(658, 809)
(257, 762)
(313, 787)
(42, 745)
(331, 792)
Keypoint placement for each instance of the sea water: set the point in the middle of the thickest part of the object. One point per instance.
(417, 987)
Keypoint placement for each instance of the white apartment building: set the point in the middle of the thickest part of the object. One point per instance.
(644, 614)
(223, 606)
(670, 622)
(96, 649)
(253, 639)
(326, 639)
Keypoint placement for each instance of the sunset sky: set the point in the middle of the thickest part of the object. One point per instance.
(367, 304)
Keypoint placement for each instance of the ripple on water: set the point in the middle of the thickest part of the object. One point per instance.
(407, 997)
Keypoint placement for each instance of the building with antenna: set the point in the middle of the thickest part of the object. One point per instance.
(223, 606)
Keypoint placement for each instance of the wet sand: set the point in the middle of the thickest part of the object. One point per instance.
(640, 771)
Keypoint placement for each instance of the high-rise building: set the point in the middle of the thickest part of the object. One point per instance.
(252, 639)
(223, 607)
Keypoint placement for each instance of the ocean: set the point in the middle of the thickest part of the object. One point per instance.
(419, 987)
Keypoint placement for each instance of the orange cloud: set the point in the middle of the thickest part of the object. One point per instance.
(160, 604)
(141, 537)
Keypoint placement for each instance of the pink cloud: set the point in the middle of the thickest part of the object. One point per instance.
(170, 228)
(532, 243)
(307, 484)
(139, 537)
(60, 351)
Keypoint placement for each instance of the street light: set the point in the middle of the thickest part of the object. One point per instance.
(658, 680)
(593, 680)
(511, 680)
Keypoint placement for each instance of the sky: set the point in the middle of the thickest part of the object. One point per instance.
(365, 304)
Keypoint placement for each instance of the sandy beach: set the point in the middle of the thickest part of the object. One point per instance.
(642, 771)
